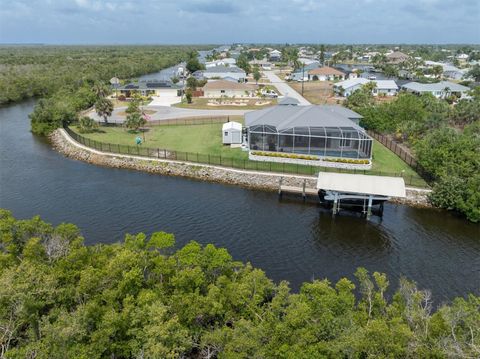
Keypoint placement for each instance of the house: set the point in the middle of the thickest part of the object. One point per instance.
(382, 87)
(221, 72)
(397, 57)
(325, 73)
(275, 56)
(440, 89)
(232, 133)
(263, 64)
(221, 62)
(301, 74)
(306, 61)
(288, 101)
(151, 87)
(323, 131)
(224, 88)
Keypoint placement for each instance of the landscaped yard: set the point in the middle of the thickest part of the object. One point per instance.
(206, 139)
(227, 103)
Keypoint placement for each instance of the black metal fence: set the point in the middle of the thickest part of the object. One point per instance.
(396, 148)
(229, 162)
(203, 120)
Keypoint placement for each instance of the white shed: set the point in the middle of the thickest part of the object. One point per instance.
(232, 133)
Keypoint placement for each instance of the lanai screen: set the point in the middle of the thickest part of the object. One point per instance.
(343, 142)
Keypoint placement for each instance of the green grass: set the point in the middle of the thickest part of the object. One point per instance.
(206, 139)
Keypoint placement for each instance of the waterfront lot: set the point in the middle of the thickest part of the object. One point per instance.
(206, 139)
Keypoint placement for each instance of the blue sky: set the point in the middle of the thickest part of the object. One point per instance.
(223, 21)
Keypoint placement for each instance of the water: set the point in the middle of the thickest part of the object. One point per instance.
(288, 239)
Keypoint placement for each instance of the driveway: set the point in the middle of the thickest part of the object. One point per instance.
(168, 113)
(284, 88)
(165, 100)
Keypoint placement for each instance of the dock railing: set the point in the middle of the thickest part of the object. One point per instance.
(228, 162)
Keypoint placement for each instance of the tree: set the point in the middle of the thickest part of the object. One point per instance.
(474, 72)
(192, 83)
(189, 95)
(87, 124)
(104, 108)
(193, 64)
(242, 62)
(256, 75)
(321, 56)
(437, 71)
(100, 90)
(135, 118)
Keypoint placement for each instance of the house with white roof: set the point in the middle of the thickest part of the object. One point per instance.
(275, 55)
(382, 87)
(221, 62)
(440, 89)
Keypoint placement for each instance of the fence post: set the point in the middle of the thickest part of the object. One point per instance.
(165, 153)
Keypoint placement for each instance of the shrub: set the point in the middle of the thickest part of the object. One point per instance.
(286, 155)
(86, 124)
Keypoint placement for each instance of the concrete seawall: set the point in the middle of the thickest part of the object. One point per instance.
(268, 181)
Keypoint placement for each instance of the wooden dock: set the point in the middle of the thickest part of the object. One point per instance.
(303, 190)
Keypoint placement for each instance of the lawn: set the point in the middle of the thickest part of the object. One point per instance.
(206, 139)
(317, 92)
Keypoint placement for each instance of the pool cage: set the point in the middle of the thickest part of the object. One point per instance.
(338, 142)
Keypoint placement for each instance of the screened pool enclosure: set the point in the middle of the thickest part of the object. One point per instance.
(326, 131)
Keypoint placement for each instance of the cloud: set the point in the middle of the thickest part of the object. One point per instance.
(227, 21)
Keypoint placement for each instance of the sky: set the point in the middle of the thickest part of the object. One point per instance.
(233, 21)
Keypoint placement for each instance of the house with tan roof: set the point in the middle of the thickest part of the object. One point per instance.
(224, 88)
(325, 73)
(397, 57)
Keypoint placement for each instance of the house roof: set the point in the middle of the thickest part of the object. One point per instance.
(286, 117)
(439, 86)
(381, 84)
(397, 55)
(227, 85)
(223, 69)
(326, 70)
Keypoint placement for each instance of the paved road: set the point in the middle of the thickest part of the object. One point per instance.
(285, 88)
(167, 113)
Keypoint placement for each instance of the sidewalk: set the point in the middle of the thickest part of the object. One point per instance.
(284, 88)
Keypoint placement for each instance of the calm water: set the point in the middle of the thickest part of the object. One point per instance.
(288, 239)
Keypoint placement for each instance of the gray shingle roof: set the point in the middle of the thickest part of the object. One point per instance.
(223, 69)
(285, 117)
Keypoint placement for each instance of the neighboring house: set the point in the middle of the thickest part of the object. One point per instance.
(222, 62)
(231, 133)
(463, 58)
(306, 61)
(263, 64)
(223, 88)
(301, 74)
(440, 89)
(325, 131)
(152, 87)
(325, 74)
(223, 72)
(383, 87)
(275, 56)
(397, 57)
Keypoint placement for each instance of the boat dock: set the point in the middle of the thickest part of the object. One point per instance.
(303, 190)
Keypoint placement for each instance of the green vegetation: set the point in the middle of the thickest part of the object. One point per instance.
(207, 139)
(64, 76)
(141, 299)
(444, 138)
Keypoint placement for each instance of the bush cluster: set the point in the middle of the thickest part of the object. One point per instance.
(286, 155)
(347, 160)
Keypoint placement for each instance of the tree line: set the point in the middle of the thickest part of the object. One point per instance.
(143, 299)
(444, 136)
(63, 76)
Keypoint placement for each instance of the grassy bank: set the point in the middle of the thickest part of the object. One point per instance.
(206, 139)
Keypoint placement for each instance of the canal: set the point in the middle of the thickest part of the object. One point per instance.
(287, 239)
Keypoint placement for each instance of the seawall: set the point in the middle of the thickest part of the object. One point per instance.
(266, 181)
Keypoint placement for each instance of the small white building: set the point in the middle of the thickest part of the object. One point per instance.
(440, 89)
(382, 87)
(232, 133)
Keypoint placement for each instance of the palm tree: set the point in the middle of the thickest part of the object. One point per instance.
(100, 89)
(447, 92)
(104, 108)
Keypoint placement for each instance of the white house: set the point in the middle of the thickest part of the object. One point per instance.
(440, 89)
(382, 87)
(225, 88)
(221, 62)
(232, 133)
(275, 55)
(223, 72)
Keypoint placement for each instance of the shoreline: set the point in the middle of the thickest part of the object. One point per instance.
(264, 181)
